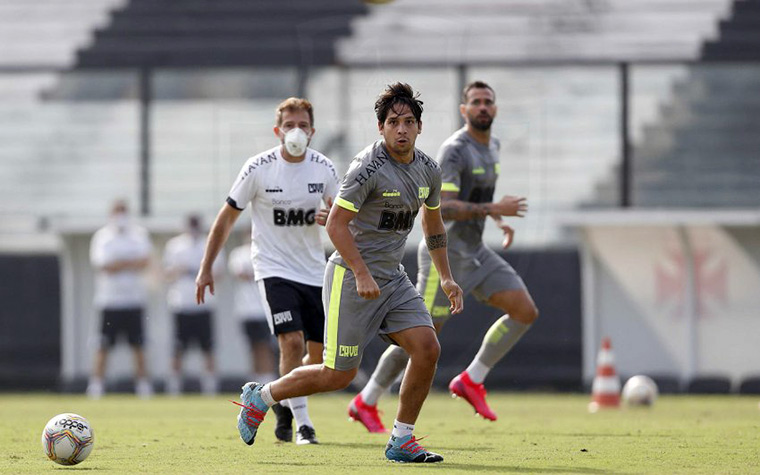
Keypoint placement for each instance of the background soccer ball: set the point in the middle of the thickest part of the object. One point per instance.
(67, 439)
(640, 390)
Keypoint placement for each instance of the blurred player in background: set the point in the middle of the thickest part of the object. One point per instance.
(120, 253)
(285, 186)
(367, 291)
(193, 323)
(469, 161)
(250, 313)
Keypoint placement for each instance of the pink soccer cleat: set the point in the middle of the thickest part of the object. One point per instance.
(462, 386)
(366, 414)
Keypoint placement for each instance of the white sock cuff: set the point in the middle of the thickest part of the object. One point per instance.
(372, 392)
(477, 371)
(402, 429)
(266, 395)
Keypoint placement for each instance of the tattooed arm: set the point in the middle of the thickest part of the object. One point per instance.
(453, 209)
(435, 237)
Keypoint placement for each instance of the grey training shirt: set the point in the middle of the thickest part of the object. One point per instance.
(386, 195)
(471, 169)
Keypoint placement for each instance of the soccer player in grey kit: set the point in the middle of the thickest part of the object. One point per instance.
(366, 291)
(470, 167)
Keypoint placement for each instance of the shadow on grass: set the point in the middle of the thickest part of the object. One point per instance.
(464, 467)
(516, 468)
(74, 467)
(364, 445)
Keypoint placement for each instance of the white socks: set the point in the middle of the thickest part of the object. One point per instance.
(477, 371)
(300, 410)
(372, 392)
(402, 429)
(266, 395)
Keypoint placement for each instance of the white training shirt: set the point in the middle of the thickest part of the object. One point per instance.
(125, 289)
(247, 298)
(183, 254)
(285, 198)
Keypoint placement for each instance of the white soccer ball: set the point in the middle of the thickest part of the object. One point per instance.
(67, 439)
(640, 390)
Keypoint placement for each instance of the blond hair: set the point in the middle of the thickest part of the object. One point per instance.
(294, 104)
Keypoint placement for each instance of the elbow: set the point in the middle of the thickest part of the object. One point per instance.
(331, 228)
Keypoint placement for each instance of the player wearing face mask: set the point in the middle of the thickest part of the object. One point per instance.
(119, 254)
(286, 187)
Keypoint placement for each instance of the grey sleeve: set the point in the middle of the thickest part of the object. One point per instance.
(433, 200)
(355, 187)
(452, 165)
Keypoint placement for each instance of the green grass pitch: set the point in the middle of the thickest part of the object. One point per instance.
(535, 433)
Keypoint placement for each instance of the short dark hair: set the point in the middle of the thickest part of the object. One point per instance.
(194, 222)
(398, 93)
(294, 104)
(476, 85)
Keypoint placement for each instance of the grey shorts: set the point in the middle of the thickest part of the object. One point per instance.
(483, 275)
(352, 321)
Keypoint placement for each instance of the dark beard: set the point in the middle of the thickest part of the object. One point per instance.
(482, 126)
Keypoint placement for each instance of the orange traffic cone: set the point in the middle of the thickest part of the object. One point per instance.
(605, 390)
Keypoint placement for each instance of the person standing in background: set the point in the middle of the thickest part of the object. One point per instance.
(192, 322)
(285, 186)
(251, 315)
(119, 254)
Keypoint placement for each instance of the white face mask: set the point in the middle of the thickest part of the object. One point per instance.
(120, 220)
(296, 141)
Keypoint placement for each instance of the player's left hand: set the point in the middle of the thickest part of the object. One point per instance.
(509, 234)
(455, 295)
(204, 279)
(324, 212)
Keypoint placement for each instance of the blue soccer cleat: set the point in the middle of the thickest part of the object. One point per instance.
(252, 412)
(406, 449)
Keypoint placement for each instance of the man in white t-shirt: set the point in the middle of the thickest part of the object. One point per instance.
(249, 311)
(285, 186)
(119, 253)
(193, 323)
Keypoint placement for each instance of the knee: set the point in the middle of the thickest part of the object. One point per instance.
(428, 352)
(291, 343)
(526, 315)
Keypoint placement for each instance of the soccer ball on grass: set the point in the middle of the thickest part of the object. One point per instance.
(67, 439)
(640, 390)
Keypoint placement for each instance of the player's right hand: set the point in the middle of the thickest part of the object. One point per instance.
(455, 295)
(323, 213)
(203, 280)
(366, 287)
(509, 206)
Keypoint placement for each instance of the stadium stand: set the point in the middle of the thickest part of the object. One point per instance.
(739, 38)
(533, 30)
(48, 32)
(709, 385)
(221, 33)
(701, 150)
(560, 130)
(750, 386)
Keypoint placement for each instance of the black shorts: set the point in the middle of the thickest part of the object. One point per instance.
(257, 331)
(195, 326)
(125, 322)
(293, 306)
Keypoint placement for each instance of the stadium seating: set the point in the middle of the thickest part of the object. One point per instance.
(709, 385)
(739, 38)
(558, 125)
(750, 386)
(48, 32)
(525, 30)
(221, 33)
(702, 150)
